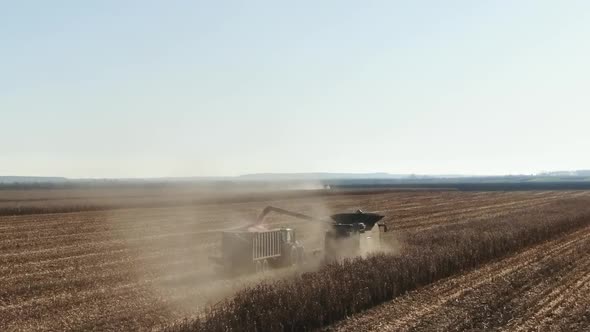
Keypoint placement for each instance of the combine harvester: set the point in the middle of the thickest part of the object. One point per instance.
(257, 250)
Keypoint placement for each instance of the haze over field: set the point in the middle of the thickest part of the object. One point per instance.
(151, 89)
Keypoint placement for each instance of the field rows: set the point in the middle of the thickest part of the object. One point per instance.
(425, 256)
(90, 246)
(541, 289)
(214, 214)
(143, 267)
(130, 226)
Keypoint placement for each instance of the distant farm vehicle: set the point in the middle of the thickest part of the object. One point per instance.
(257, 250)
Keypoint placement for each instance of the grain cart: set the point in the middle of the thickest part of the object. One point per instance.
(353, 234)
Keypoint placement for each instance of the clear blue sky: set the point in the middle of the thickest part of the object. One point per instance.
(187, 88)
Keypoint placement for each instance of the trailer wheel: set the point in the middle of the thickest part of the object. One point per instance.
(258, 266)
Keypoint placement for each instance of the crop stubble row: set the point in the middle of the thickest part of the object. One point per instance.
(543, 288)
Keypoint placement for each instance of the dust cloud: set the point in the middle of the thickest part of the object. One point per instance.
(169, 248)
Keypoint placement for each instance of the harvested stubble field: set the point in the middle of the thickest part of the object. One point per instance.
(144, 268)
(543, 288)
